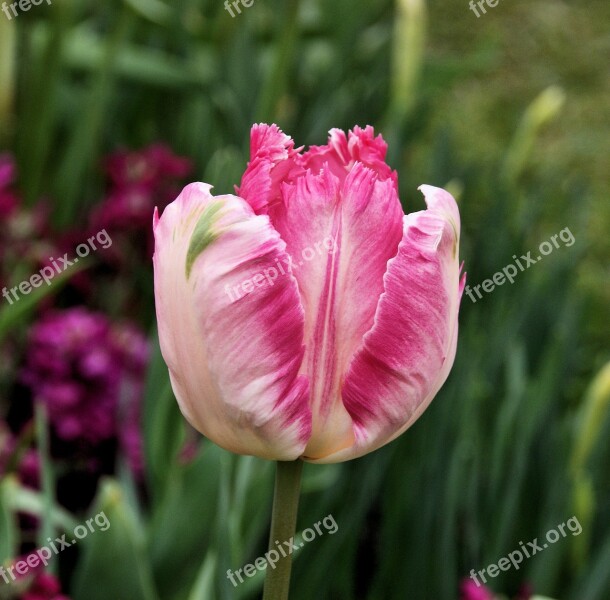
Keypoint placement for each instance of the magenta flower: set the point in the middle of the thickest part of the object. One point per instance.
(469, 590)
(133, 352)
(146, 167)
(90, 375)
(139, 181)
(8, 199)
(70, 368)
(308, 316)
(44, 587)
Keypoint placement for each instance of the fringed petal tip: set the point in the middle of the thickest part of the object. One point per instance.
(343, 151)
(269, 141)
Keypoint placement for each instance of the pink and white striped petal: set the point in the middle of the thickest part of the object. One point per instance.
(231, 325)
(406, 356)
(360, 221)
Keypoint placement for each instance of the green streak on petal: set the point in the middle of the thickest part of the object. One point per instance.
(203, 235)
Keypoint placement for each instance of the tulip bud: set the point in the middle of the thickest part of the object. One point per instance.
(307, 317)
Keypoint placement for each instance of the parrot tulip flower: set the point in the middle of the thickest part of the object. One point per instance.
(306, 316)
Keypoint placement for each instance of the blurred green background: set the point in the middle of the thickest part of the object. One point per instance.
(510, 112)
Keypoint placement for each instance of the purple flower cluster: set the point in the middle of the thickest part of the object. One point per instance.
(139, 181)
(89, 374)
(8, 199)
(24, 233)
(87, 370)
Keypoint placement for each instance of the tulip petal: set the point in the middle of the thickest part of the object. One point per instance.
(231, 325)
(343, 152)
(406, 356)
(340, 282)
(273, 159)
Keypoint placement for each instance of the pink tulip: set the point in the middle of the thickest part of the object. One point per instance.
(307, 316)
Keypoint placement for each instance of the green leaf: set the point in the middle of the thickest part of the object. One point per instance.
(153, 10)
(182, 526)
(204, 585)
(14, 314)
(85, 51)
(114, 564)
(22, 499)
(8, 523)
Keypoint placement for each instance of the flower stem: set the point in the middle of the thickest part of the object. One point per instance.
(283, 526)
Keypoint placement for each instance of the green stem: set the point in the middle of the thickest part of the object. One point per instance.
(8, 61)
(47, 478)
(283, 526)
